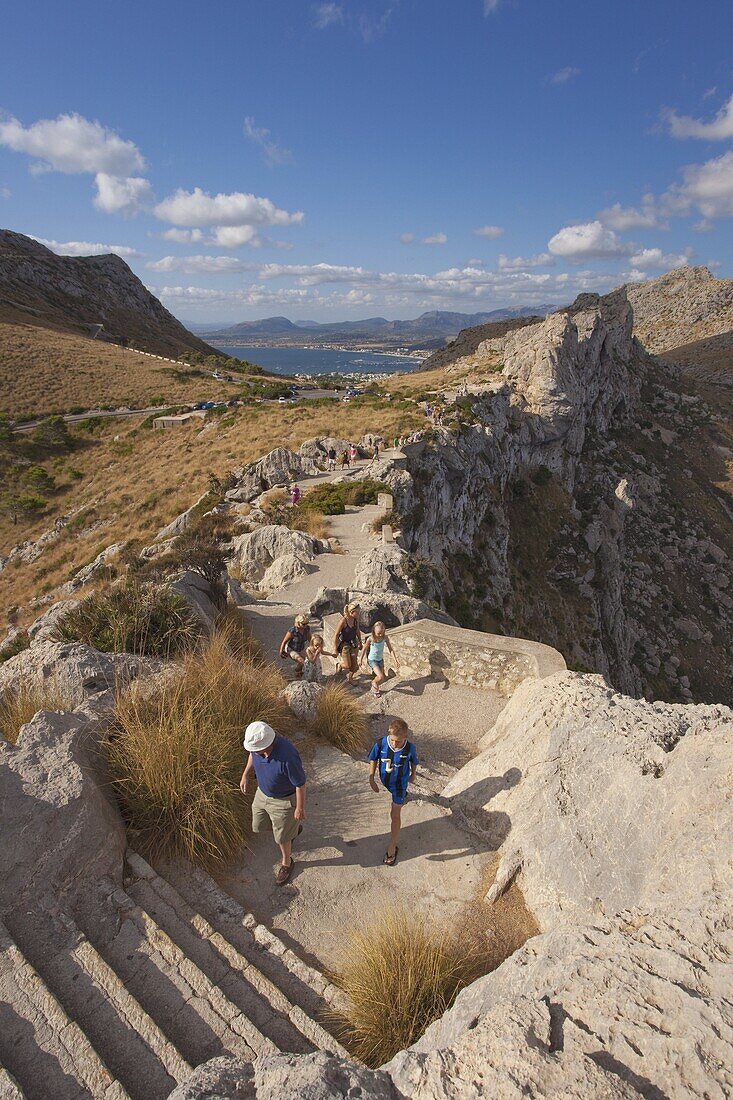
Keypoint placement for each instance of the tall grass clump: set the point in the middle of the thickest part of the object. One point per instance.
(145, 619)
(340, 720)
(176, 757)
(19, 704)
(399, 975)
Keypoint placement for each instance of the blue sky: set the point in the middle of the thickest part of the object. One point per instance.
(364, 157)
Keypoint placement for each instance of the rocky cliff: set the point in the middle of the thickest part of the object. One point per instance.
(573, 499)
(681, 307)
(72, 294)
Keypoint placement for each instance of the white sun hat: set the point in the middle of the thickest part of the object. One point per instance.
(258, 736)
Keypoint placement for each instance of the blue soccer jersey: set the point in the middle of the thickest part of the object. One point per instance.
(394, 766)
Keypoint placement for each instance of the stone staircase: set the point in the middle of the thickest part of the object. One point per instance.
(173, 972)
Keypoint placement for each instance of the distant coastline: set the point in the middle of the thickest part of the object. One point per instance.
(292, 360)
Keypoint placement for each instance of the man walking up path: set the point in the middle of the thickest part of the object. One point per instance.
(280, 795)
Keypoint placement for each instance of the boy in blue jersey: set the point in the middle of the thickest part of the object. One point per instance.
(396, 759)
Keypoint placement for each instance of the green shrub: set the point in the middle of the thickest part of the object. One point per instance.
(176, 756)
(542, 476)
(38, 480)
(331, 499)
(144, 619)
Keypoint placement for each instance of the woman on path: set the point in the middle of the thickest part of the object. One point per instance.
(374, 652)
(353, 453)
(376, 452)
(344, 460)
(347, 640)
(295, 495)
(295, 641)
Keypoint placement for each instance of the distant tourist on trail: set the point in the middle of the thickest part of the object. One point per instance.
(395, 758)
(280, 795)
(376, 452)
(344, 460)
(312, 670)
(331, 458)
(353, 453)
(295, 641)
(347, 640)
(295, 495)
(373, 651)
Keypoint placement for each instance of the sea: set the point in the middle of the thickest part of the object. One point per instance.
(321, 360)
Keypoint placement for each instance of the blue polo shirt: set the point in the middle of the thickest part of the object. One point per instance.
(394, 766)
(281, 772)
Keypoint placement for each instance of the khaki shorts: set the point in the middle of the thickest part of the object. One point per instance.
(280, 812)
(347, 657)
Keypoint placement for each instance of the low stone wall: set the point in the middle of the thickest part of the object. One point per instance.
(491, 662)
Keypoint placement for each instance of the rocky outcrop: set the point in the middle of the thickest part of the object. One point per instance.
(383, 569)
(72, 671)
(278, 467)
(95, 570)
(178, 525)
(74, 294)
(560, 497)
(392, 608)
(200, 596)
(285, 570)
(65, 833)
(45, 625)
(288, 1077)
(302, 698)
(685, 305)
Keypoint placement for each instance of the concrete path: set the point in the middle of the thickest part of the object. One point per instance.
(339, 878)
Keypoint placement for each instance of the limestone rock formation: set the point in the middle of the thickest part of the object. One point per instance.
(265, 544)
(276, 468)
(95, 569)
(45, 625)
(72, 670)
(302, 698)
(65, 833)
(382, 569)
(682, 306)
(284, 570)
(200, 597)
(178, 525)
(392, 608)
(319, 1076)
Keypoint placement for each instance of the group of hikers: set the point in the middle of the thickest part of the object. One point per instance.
(280, 798)
(349, 454)
(350, 649)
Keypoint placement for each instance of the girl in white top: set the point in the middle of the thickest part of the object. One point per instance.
(312, 670)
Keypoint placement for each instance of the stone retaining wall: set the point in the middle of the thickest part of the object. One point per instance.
(492, 662)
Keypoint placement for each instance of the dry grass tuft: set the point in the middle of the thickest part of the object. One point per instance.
(312, 523)
(19, 705)
(399, 975)
(144, 619)
(176, 756)
(340, 720)
(233, 628)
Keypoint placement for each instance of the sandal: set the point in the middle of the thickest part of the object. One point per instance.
(284, 873)
(389, 861)
(376, 693)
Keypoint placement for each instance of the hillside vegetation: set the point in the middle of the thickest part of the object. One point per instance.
(44, 371)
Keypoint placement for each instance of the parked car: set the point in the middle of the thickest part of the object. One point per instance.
(208, 405)
(200, 405)
(232, 402)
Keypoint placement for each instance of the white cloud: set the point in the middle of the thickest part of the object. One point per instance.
(622, 218)
(705, 187)
(492, 232)
(182, 236)
(436, 238)
(326, 15)
(235, 236)
(523, 263)
(490, 6)
(587, 241)
(562, 76)
(407, 238)
(199, 265)
(5, 192)
(85, 248)
(71, 144)
(117, 195)
(654, 258)
(371, 26)
(198, 208)
(684, 126)
(272, 152)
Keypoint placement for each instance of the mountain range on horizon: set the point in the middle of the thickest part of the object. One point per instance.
(431, 329)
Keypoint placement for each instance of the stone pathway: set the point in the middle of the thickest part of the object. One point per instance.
(339, 878)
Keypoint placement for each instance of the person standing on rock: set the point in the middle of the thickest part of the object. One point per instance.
(280, 796)
(347, 640)
(395, 758)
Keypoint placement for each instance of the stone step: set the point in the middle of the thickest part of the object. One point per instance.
(301, 983)
(196, 1016)
(292, 1028)
(130, 1043)
(44, 1053)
